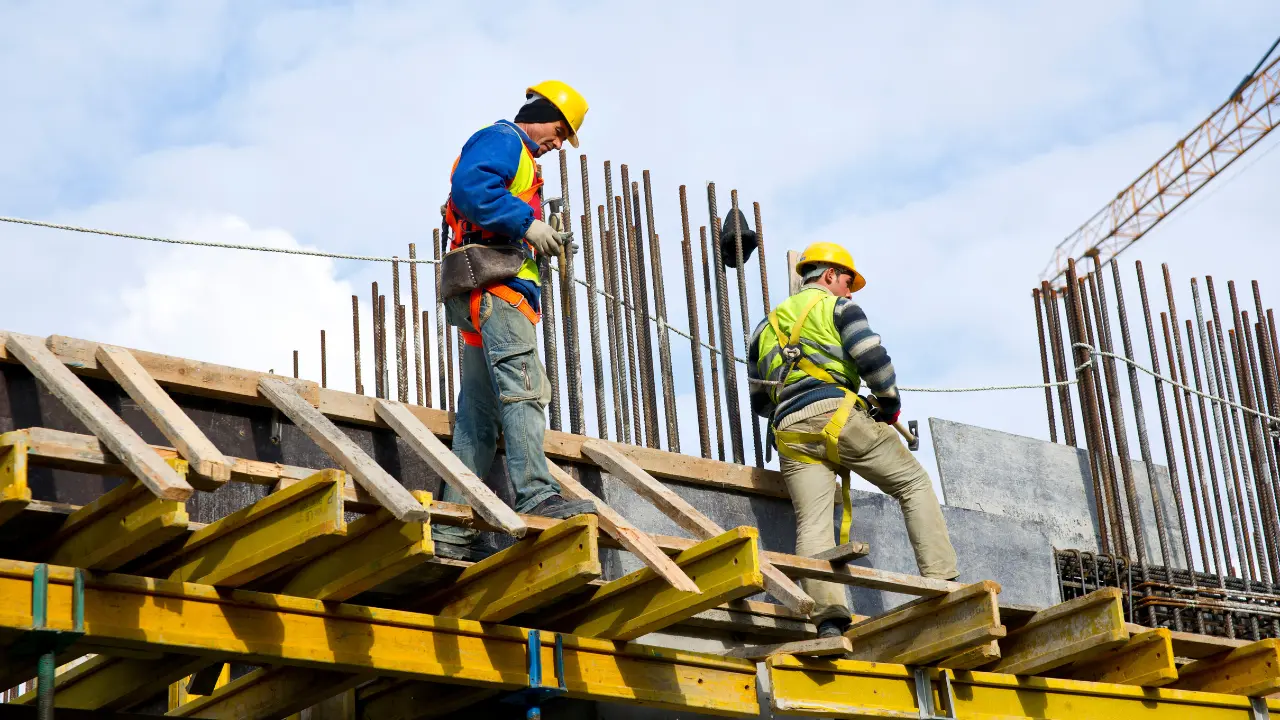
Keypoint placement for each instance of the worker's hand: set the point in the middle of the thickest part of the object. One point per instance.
(545, 239)
(886, 410)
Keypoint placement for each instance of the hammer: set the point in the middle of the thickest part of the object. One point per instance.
(910, 431)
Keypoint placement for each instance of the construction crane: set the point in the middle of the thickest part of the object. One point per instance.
(1228, 133)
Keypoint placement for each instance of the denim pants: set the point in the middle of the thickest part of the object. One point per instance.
(504, 391)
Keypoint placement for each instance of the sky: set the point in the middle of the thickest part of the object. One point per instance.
(950, 147)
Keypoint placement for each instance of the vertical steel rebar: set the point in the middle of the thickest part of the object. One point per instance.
(1271, 385)
(1044, 365)
(569, 310)
(402, 365)
(417, 327)
(1225, 560)
(1252, 396)
(613, 257)
(441, 330)
(1049, 297)
(695, 345)
(664, 335)
(1261, 376)
(355, 341)
(638, 317)
(617, 367)
(640, 289)
(764, 265)
(1186, 435)
(295, 363)
(1107, 461)
(711, 341)
(377, 354)
(1088, 400)
(593, 309)
(726, 333)
(426, 359)
(743, 314)
(550, 346)
(633, 349)
(382, 336)
(1256, 489)
(324, 362)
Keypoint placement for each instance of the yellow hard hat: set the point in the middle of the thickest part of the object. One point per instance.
(567, 100)
(830, 254)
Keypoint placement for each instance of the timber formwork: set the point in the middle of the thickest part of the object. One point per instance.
(324, 592)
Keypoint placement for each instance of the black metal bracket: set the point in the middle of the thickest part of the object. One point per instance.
(533, 696)
(43, 643)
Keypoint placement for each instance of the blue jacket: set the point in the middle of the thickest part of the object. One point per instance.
(485, 168)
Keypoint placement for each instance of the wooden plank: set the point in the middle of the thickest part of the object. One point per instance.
(844, 553)
(180, 692)
(1252, 670)
(120, 526)
(629, 536)
(447, 465)
(1146, 660)
(15, 493)
(931, 629)
(343, 449)
(725, 567)
(525, 576)
(269, 693)
(144, 463)
(1070, 632)
(106, 683)
(375, 549)
(726, 619)
(817, 647)
(1195, 646)
(279, 530)
(209, 466)
(688, 517)
(973, 657)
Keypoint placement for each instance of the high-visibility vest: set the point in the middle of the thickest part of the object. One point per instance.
(527, 186)
(805, 322)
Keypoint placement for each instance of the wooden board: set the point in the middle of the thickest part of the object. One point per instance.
(1070, 632)
(122, 525)
(209, 467)
(366, 471)
(931, 629)
(689, 518)
(1147, 660)
(269, 692)
(106, 683)
(15, 493)
(89, 409)
(817, 647)
(1252, 670)
(844, 553)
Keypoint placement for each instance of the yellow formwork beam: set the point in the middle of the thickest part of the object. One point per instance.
(1146, 660)
(271, 692)
(391, 699)
(928, 630)
(525, 576)
(109, 683)
(1066, 633)
(179, 695)
(15, 493)
(858, 689)
(120, 526)
(377, 547)
(136, 613)
(1250, 670)
(725, 567)
(286, 527)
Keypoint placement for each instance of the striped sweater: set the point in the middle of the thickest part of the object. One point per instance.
(810, 396)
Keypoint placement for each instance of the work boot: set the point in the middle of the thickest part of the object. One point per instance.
(557, 508)
(833, 627)
(475, 551)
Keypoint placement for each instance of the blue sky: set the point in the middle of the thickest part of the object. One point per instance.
(949, 146)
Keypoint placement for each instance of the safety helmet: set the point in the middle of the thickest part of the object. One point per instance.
(830, 254)
(567, 100)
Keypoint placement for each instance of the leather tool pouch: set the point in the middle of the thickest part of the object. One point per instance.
(472, 267)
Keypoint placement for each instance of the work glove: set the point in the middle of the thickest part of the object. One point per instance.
(886, 411)
(545, 239)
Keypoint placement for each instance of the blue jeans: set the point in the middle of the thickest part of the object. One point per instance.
(504, 390)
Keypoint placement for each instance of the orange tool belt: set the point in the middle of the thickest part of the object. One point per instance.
(517, 300)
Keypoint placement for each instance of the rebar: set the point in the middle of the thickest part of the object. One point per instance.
(633, 349)
(569, 309)
(1184, 433)
(1044, 365)
(402, 364)
(1107, 461)
(355, 341)
(417, 328)
(762, 257)
(426, 359)
(1225, 561)
(1049, 297)
(441, 356)
(744, 315)
(695, 345)
(640, 297)
(617, 381)
(664, 335)
(612, 257)
(1272, 392)
(1254, 493)
(726, 334)
(1088, 399)
(377, 350)
(1251, 390)
(550, 346)
(1261, 376)
(593, 311)
(382, 346)
(324, 363)
(713, 356)
(295, 363)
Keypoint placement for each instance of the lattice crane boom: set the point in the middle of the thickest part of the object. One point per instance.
(1204, 153)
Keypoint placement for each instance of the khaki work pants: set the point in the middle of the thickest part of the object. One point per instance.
(874, 452)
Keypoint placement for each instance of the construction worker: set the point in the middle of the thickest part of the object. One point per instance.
(806, 362)
(491, 278)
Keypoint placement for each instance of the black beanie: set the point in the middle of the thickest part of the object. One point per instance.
(729, 241)
(538, 109)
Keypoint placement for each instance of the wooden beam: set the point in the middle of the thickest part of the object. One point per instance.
(181, 692)
(108, 683)
(817, 647)
(279, 530)
(1252, 670)
(269, 693)
(728, 619)
(375, 549)
(447, 465)
(688, 517)
(973, 657)
(120, 526)
(725, 567)
(629, 536)
(1074, 631)
(931, 629)
(101, 421)
(1195, 646)
(844, 553)
(15, 493)
(343, 449)
(1146, 660)
(209, 467)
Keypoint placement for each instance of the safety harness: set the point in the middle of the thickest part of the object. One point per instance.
(786, 441)
(514, 297)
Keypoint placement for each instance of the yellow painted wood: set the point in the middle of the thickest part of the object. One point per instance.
(120, 526)
(179, 696)
(525, 576)
(268, 693)
(392, 699)
(150, 614)
(1073, 631)
(1146, 660)
(928, 630)
(815, 647)
(377, 547)
(1252, 670)
(858, 689)
(725, 567)
(110, 683)
(15, 494)
(279, 530)
(973, 658)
